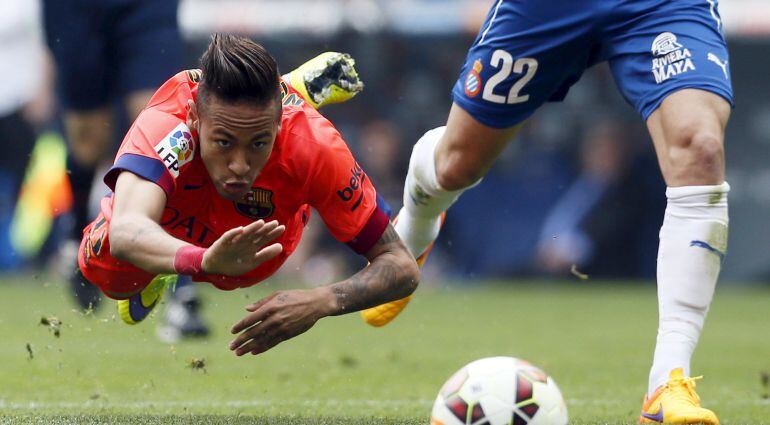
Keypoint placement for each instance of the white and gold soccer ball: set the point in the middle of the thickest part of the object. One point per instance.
(499, 391)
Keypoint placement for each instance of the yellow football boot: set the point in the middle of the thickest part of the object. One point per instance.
(136, 308)
(383, 314)
(676, 403)
(330, 77)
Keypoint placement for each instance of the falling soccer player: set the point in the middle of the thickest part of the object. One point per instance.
(215, 179)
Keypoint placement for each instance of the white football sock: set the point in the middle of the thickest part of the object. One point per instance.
(693, 242)
(424, 199)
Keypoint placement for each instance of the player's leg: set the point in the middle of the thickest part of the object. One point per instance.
(445, 162)
(145, 51)
(688, 133)
(88, 133)
(182, 318)
(76, 44)
(674, 70)
(515, 65)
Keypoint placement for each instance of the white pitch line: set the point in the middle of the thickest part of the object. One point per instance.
(139, 405)
(207, 404)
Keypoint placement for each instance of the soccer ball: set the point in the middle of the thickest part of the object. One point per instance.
(499, 391)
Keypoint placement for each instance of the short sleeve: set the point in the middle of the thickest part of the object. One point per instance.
(156, 148)
(344, 196)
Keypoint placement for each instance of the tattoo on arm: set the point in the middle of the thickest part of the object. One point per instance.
(383, 280)
(379, 282)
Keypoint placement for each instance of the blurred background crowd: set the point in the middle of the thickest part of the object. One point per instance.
(578, 191)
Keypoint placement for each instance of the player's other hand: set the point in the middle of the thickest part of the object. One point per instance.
(278, 317)
(242, 249)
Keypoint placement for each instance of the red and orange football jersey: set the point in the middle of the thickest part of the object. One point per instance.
(310, 166)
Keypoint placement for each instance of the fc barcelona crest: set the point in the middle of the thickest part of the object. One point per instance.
(256, 204)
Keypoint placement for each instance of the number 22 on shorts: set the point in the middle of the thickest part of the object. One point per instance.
(504, 61)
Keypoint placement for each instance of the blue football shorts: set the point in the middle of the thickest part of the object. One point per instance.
(106, 49)
(529, 52)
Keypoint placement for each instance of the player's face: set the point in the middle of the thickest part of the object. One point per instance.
(235, 143)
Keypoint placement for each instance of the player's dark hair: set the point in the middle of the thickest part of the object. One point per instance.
(236, 69)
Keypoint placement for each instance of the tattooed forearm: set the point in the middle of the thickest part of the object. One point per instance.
(378, 283)
(391, 274)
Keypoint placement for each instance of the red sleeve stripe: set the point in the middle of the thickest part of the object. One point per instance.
(145, 167)
(371, 233)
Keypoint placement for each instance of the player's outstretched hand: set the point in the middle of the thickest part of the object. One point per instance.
(242, 249)
(276, 318)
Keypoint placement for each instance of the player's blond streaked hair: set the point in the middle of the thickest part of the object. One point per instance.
(236, 69)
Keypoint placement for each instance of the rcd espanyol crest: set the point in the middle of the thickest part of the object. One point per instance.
(664, 44)
(473, 81)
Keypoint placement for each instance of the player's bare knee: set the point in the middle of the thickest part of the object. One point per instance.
(87, 149)
(456, 173)
(89, 137)
(702, 159)
(708, 149)
(84, 155)
(694, 154)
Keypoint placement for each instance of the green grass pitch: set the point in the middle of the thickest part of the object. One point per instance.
(595, 339)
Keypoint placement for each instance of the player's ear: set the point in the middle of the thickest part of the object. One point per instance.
(192, 115)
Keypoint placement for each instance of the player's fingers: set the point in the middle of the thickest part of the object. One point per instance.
(267, 253)
(252, 345)
(260, 303)
(264, 342)
(247, 337)
(253, 228)
(270, 236)
(232, 235)
(253, 337)
(267, 228)
(250, 320)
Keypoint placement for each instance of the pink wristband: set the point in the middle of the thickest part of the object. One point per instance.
(188, 260)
